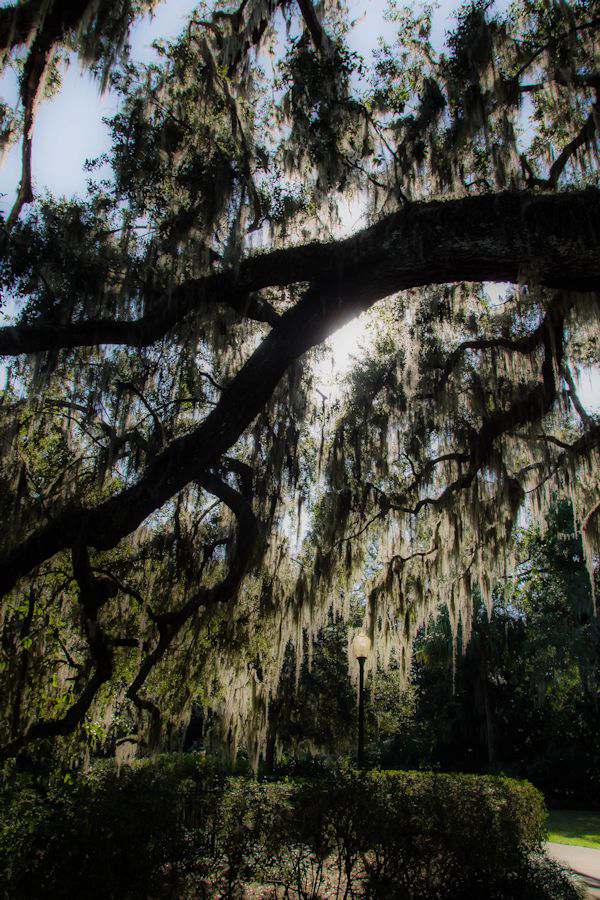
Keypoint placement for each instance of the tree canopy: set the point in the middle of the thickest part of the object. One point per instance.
(181, 499)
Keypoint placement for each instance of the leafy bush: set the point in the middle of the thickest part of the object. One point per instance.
(109, 833)
(537, 878)
(465, 829)
(176, 827)
(414, 834)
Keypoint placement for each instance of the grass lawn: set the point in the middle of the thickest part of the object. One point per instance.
(568, 826)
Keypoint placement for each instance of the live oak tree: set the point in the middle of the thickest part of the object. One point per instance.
(165, 447)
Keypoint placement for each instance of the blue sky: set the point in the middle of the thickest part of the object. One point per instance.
(69, 127)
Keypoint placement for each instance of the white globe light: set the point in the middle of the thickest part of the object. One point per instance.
(361, 645)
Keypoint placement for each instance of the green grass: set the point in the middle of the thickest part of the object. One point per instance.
(568, 826)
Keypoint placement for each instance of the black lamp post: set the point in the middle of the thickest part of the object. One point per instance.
(361, 646)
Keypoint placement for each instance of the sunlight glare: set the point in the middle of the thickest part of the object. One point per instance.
(343, 347)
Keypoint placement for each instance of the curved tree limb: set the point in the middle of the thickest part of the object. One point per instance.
(313, 26)
(50, 22)
(530, 405)
(32, 85)
(21, 21)
(170, 624)
(504, 237)
(583, 137)
(586, 442)
(525, 344)
(510, 236)
(589, 518)
(574, 397)
(94, 592)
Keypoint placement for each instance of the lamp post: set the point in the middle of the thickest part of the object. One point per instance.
(361, 646)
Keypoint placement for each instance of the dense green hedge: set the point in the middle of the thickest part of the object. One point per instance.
(177, 827)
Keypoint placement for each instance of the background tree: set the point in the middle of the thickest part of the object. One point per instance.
(521, 697)
(524, 697)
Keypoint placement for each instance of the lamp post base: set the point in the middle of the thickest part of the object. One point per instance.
(361, 712)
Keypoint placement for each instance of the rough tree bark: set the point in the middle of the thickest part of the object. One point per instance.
(512, 236)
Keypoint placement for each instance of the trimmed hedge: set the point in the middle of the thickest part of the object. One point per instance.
(177, 827)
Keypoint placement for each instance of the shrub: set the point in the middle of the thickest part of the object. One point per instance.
(176, 826)
(109, 833)
(464, 829)
(538, 878)
(414, 834)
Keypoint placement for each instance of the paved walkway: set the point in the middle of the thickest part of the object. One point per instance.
(583, 861)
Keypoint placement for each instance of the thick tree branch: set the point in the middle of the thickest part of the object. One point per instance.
(165, 313)
(551, 239)
(512, 236)
(313, 26)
